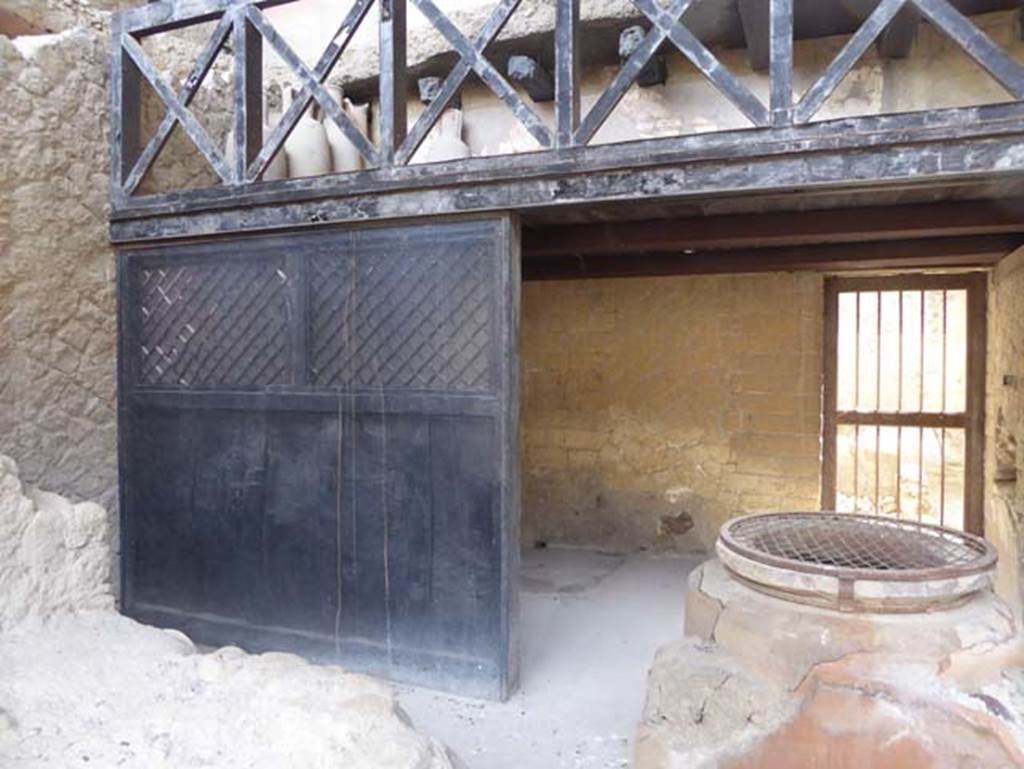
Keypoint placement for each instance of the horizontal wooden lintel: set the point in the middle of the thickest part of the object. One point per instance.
(927, 253)
(868, 223)
(901, 419)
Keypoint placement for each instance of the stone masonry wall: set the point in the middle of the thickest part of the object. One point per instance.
(57, 322)
(58, 15)
(1004, 426)
(57, 275)
(656, 408)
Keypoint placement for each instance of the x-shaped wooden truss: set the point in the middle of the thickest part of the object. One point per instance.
(177, 106)
(943, 15)
(471, 58)
(247, 26)
(665, 25)
(940, 12)
(312, 87)
(312, 81)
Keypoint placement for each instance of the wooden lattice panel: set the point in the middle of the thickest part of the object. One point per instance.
(212, 324)
(416, 319)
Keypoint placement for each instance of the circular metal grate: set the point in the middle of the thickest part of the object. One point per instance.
(843, 542)
(853, 556)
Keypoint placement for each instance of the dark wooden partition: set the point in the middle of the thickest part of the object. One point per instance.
(319, 446)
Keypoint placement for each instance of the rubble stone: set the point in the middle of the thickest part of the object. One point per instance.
(83, 685)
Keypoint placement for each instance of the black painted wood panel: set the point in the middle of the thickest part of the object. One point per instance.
(341, 478)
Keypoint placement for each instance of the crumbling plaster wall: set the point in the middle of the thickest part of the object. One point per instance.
(57, 277)
(59, 15)
(57, 308)
(654, 409)
(1004, 459)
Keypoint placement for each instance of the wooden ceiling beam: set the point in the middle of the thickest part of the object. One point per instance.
(925, 253)
(760, 231)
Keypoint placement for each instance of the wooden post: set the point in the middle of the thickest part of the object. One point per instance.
(125, 112)
(393, 117)
(780, 27)
(567, 58)
(248, 94)
(974, 457)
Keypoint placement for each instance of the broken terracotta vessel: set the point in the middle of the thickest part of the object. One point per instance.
(763, 682)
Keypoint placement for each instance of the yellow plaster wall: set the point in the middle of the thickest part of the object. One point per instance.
(1004, 425)
(656, 408)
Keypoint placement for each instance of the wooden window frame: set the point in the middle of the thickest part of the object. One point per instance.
(973, 420)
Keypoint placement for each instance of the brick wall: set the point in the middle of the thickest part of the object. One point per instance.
(656, 408)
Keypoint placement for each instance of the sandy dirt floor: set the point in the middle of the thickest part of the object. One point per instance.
(591, 626)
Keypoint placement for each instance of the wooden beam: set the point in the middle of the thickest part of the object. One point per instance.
(448, 91)
(705, 61)
(829, 396)
(248, 94)
(125, 115)
(929, 150)
(855, 47)
(980, 251)
(393, 113)
(165, 15)
(905, 281)
(975, 43)
(977, 358)
(780, 29)
(536, 80)
(486, 72)
(339, 42)
(567, 68)
(654, 72)
(928, 220)
(901, 419)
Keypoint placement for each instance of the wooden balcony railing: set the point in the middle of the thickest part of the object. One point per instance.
(243, 26)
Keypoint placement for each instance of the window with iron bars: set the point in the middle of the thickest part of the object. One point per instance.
(904, 386)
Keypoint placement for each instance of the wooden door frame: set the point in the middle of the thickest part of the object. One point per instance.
(976, 285)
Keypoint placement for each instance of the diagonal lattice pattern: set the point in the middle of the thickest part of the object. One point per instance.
(854, 542)
(213, 324)
(416, 320)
